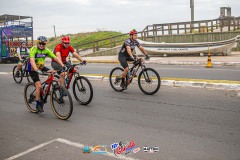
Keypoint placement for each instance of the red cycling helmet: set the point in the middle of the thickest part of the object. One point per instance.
(132, 32)
(65, 39)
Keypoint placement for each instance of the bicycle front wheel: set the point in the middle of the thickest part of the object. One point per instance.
(115, 79)
(17, 78)
(149, 81)
(82, 90)
(29, 97)
(61, 102)
(29, 79)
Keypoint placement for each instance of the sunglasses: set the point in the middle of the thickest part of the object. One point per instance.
(66, 43)
(42, 44)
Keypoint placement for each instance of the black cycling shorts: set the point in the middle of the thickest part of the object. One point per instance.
(123, 60)
(34, 75)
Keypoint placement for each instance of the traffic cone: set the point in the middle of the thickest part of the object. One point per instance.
(209, 63)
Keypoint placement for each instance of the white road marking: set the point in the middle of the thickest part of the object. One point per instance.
(7, 73)
(74, 144)
(30, 150)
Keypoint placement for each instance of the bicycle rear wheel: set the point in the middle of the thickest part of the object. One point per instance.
(82, 90)
(17, 79)
(149, 81)
(29, 97)
(61, 102)
(115, 79)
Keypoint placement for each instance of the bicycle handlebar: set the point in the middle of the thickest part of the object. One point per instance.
(50, 72)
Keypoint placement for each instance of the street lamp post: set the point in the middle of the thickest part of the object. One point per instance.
(192, 14)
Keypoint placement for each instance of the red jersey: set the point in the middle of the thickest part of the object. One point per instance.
(64, 51)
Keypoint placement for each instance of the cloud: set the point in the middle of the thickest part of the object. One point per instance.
(120, 15)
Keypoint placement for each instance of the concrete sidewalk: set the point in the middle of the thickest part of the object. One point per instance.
(231, 60)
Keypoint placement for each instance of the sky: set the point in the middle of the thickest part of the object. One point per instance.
(77, 16)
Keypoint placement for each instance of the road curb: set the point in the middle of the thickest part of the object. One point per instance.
(168, 62)
(189, 84)
(99, 78)
(173, 83)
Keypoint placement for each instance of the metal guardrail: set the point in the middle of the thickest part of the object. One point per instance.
(232, 23)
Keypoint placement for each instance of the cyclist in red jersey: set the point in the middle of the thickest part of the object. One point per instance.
(62, 50)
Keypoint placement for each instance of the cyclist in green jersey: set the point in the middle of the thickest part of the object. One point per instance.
(36, 65)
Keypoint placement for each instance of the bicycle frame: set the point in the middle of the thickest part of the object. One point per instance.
(138, 65)
(49, 82)
(25, 68)
(72, 72)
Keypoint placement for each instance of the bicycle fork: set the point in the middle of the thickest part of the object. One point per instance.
(82, 89)
(146, 76)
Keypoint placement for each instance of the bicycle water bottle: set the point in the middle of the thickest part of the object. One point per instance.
(67, 79)
(23, 67)
(45, 88)
(129, 74)
(133, 71)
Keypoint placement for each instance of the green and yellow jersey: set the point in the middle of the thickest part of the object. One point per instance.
(40, 55)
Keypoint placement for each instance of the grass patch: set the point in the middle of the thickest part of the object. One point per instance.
(82, 38)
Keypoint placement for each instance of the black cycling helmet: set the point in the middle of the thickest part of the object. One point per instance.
(42, 39)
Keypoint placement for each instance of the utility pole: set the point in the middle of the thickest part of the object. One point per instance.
(192, 13)
(54, 31)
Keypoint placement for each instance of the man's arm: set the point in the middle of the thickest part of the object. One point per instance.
(58, 61)
(33, 64)
(28, 51)
(76, 55)
(58, 54)
(18, 54)
(129, 52)
(52, 55)
(143, 50)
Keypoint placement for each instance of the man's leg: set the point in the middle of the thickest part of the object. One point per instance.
(35, 77)
(62, 79)
(123, 61)
(19, 66)
(39, 105)
(38, 88)
(57, 67)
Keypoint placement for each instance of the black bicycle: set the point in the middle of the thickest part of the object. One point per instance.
(23, 72)
(149, 80)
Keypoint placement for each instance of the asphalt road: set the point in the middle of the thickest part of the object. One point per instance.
(176, 71)
(185, 124)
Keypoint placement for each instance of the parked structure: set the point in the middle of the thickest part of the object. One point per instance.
(13, 30)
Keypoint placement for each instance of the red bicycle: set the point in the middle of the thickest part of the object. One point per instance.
(60, 98)
(82, 87)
